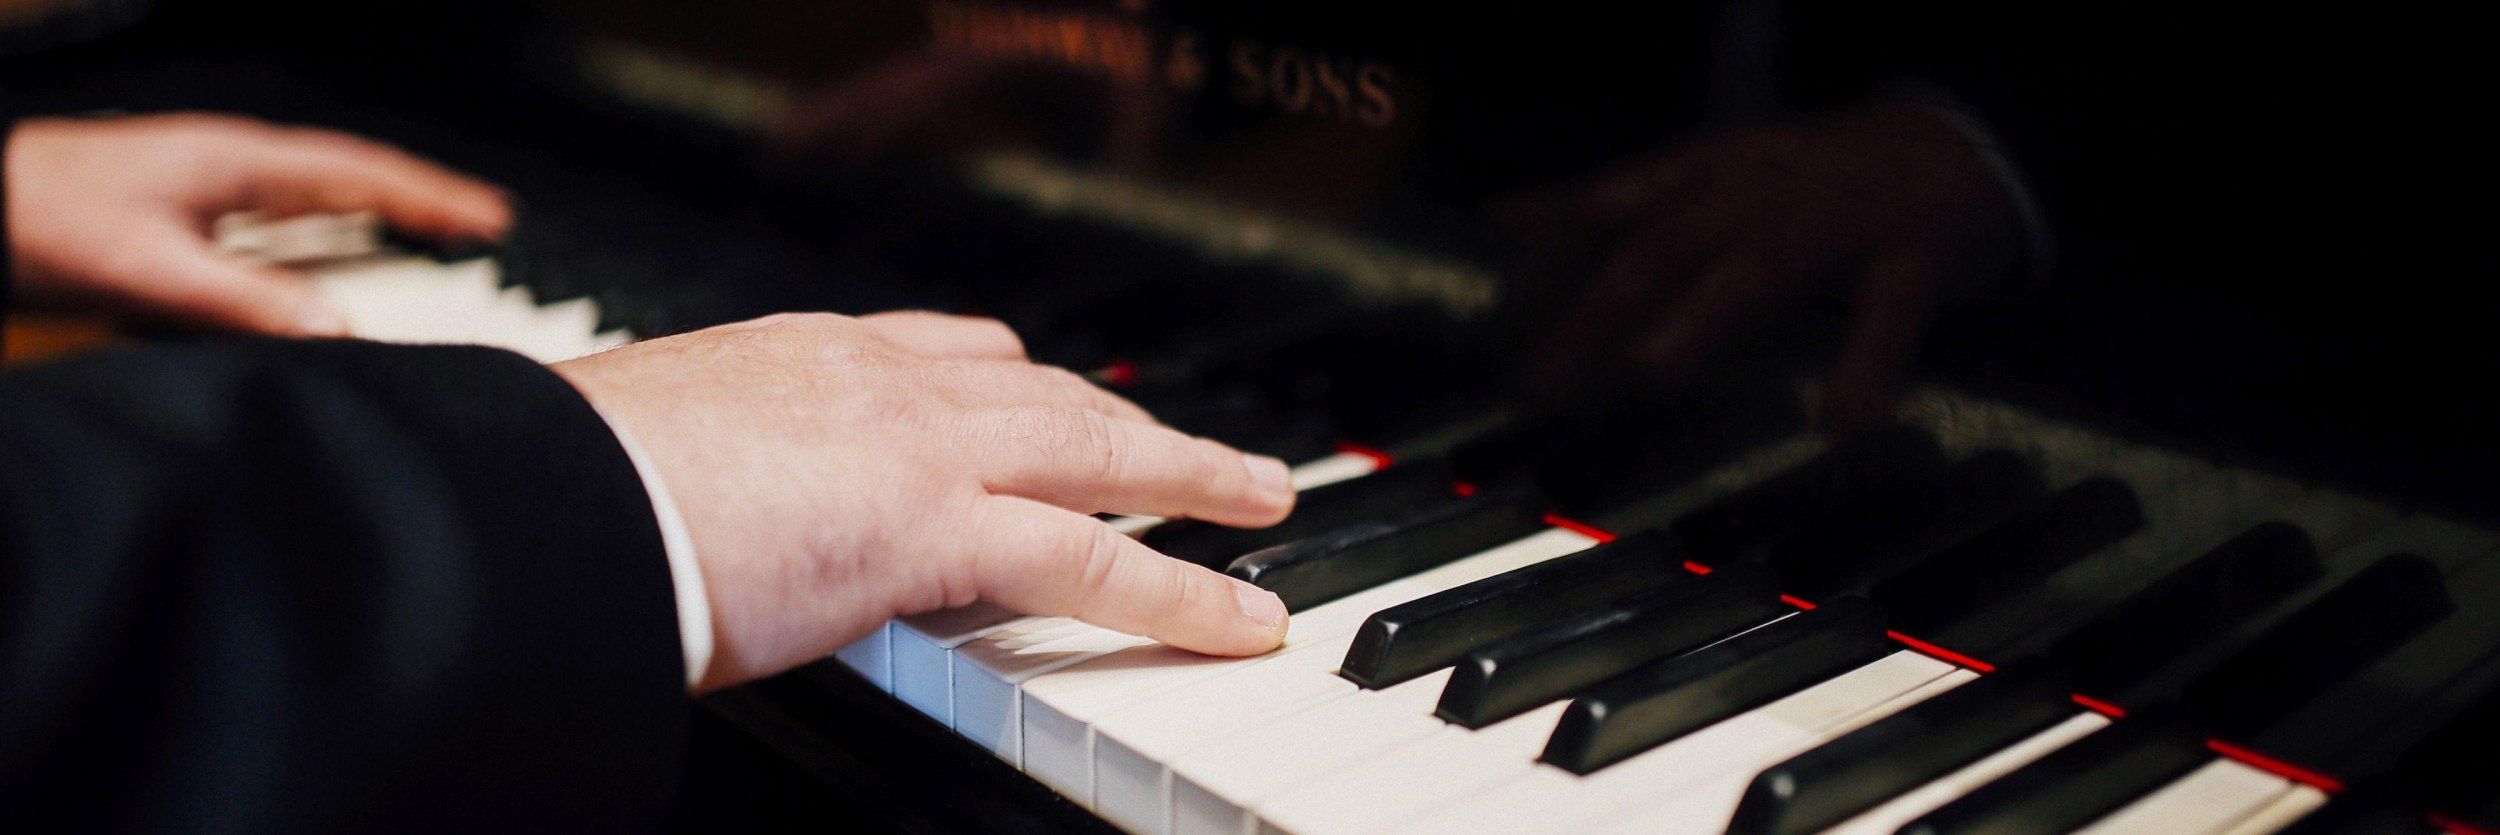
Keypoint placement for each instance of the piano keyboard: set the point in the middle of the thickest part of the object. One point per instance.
(2044, 630)
(1158, 741)
(399, 297)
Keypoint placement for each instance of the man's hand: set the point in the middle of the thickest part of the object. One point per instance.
(114, 214)
(1877, 207)
(835, 472)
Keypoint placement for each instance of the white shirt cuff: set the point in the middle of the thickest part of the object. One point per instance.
(694, 605)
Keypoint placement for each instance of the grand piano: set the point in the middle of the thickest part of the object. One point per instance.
(1741, 416)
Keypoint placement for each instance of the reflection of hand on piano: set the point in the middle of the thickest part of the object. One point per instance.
(113, 214)
(1693, 246)
(833, 475)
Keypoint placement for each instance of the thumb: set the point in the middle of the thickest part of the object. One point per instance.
(1043, 560)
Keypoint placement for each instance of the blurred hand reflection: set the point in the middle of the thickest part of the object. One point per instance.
(1876, 208)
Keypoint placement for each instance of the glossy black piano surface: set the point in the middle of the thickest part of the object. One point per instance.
(2237, 239)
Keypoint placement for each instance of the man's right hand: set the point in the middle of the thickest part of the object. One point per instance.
(835, 472)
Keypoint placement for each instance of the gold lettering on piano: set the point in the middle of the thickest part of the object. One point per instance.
(1306, 83)
(1089, 42)
(1283, 77)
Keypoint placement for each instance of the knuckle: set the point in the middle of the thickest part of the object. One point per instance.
(1091, 560)
(1067, 381)
(1211, 462)
(1006, 336)
(1073, 440)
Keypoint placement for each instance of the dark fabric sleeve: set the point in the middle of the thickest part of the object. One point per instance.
(327, 586)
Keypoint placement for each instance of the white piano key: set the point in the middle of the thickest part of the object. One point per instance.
(1075, 698)
(990, 675)
(2283, 812)
(1701, 763)
(410, 300)
(1215, 787)
(1132, 526)
(560, 331)
(1132, 784)
(1898, 812)
(310, 237)
(1704, 808)
(2210, 799)
(507, 321)
(1414, 780)
(1000, 659)
(922, 649)
(871, 658)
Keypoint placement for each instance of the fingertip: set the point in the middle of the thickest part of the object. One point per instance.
(492, 218)
(1256, 626)
(1271, 476)
(1270, 494)
(318, 320)
(1263, 608)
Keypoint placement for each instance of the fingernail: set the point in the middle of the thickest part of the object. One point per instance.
(1261, 606)
(1269, 473)
(316, 320)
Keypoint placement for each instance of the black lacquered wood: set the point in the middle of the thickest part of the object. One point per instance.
(1850, 548)
(1926, 741)
(1518, 674)
(2400, 712)
(2077, 784)
(1665, 700)
(2384, 807)
(2453, 765)
(2010, 557)
(1322, 568)
(1592, 457)
(2238, 579)
(2320, 645)
(1862, 469)
(1397, 491)
(1435, 631)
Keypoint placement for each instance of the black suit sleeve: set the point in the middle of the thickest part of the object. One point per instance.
(327, 586)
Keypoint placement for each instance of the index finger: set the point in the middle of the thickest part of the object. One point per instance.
(1085, 460)
(319, 171)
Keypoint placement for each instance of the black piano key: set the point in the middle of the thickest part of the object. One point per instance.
(2383, 807)
(1849, 549)
(1665, 700)
(1861, 469)
(2010, 557)
(1922, 743)
(441, 250)
(1402, 489)
(2399, 707)
(2321, 644)
(2077, 784)
(1318, 569)
(1518, 674)
(2443, 543)
(2238, 579)
(1426, 634)
(2451, 765)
